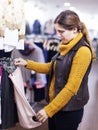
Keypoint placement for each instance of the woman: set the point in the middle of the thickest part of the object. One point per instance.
(69, 70)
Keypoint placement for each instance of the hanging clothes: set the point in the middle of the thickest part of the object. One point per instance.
(9, 116)
(14, 105)
(49, 27)
(27, 29)
(12, 24)
(36, 27)
(25, 111)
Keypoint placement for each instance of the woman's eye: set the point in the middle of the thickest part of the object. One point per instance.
(61, 31)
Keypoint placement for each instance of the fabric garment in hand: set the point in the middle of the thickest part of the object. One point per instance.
(25, 111)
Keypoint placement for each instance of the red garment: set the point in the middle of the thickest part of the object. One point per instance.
(25, 111)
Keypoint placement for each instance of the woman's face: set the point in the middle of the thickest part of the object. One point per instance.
(64, 34)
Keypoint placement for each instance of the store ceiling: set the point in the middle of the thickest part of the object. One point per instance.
(84, 6)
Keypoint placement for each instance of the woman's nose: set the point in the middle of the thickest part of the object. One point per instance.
(58, 34)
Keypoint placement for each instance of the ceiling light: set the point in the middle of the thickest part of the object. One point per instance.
(67, 4)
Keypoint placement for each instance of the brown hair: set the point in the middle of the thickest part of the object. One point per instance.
(69, 20)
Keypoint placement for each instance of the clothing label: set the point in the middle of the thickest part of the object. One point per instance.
(11, 37)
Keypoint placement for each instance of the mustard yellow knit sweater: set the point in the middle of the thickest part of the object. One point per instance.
(79, 66)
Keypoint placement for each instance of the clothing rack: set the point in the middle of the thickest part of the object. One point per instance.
(50, 42)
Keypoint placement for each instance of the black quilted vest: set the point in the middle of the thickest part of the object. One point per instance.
(62, 70)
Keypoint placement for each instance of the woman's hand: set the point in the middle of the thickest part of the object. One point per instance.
(20, 61)
(42, 116)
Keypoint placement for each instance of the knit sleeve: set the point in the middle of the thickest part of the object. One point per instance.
(38, 67)
(79, 67)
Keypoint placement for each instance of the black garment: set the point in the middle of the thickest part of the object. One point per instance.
(39, 93)
(64, 120)
(8, 107)
(5, 54)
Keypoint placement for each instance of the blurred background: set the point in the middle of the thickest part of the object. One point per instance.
(41, 44)
(44, 10)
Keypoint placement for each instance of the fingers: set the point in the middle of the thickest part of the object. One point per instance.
(20, 61)
(17, 61)
(41, 116)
